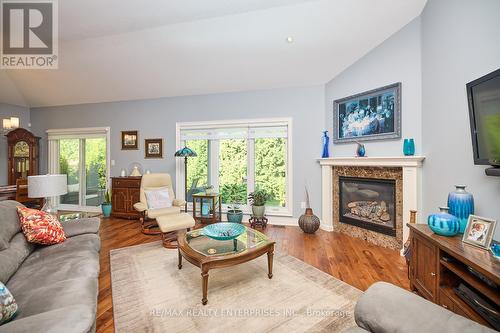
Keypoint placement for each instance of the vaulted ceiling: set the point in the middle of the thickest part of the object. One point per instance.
(127, 49)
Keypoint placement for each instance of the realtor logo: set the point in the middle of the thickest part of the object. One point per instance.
(29, 34)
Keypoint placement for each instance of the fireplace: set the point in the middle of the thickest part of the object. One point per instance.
(368, 203)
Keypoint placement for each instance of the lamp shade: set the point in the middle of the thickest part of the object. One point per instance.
(47, 186)
(185, 152)
(14, 122)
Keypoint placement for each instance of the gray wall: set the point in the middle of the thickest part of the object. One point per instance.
(157, 118)
(460, 42)
(395, 60)
(7, 111)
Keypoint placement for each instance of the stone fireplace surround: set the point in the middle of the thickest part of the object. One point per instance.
(377, 238)
(410, 191)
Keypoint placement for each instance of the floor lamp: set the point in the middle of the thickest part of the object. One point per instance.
(185, 152)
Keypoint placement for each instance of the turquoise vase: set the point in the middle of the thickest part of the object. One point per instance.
(461, 204)
(409, 147)
(106, 209)
(234, 216)
(443, 223)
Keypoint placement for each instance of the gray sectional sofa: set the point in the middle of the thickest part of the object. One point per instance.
(385, 308)
(54, 286)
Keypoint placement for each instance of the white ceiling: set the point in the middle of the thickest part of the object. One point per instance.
(124, 50)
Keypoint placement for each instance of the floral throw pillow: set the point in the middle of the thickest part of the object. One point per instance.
(40, 227)
(8, 305)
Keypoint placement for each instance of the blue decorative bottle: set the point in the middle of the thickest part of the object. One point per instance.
(461, 205)
(326, 142)
(443, 223)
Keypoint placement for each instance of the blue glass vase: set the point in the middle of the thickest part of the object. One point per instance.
(443, 223)
(409, 147)
(461, 204)
(361, 151)
(326, 142)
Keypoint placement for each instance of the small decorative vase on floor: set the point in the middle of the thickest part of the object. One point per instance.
(309, 223)
(443, 223)
(461, 204)
(326, 142)
(361, 151)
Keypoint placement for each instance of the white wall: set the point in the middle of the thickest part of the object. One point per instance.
(156, 118)
(396, 60)
(7, 111)
(460, 43)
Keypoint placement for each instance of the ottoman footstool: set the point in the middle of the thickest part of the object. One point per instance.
(169, 225)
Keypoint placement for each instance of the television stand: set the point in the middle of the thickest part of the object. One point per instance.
(493, 171)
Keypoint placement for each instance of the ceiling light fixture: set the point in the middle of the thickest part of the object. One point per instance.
(289, 39)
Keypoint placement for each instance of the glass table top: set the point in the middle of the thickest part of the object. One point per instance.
(250, 239)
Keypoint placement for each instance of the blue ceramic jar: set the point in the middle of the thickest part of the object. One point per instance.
(360, 151)
(443, 223)
(461, 204)
(409, 147)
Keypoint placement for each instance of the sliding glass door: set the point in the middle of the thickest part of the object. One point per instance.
(83, 156)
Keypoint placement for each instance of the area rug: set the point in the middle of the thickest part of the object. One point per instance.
(150, 294)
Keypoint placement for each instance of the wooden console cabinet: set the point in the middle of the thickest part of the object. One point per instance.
(125, 192)
(439, 264)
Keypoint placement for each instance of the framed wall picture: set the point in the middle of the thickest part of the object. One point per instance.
(371, 115)
(479, 231)
(153, 148)
(130, 140)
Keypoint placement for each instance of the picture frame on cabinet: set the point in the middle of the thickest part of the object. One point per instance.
(479, 231)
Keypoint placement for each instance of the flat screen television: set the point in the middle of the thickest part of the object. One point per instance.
(484, 112)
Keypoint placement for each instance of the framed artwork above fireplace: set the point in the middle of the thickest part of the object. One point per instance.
(370, 115)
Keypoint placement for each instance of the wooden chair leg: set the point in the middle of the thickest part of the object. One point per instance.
(150, 228)
(169, 240)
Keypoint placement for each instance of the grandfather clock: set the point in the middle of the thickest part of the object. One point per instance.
(23, 154)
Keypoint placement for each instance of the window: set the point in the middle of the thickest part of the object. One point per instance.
(82, 155)
(236, 158)
(233, 170)
(270, 169)
(197, 167)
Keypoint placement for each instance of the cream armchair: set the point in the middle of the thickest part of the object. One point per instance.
(150, 182)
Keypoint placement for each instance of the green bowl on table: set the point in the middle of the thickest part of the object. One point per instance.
(224, 230)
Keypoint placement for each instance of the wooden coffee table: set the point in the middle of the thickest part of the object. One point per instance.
(208, 253)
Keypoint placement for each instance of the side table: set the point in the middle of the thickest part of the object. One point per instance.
(207, 207)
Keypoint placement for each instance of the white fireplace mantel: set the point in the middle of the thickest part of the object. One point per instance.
(412, 196)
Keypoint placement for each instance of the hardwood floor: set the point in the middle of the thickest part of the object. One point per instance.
(352, 260)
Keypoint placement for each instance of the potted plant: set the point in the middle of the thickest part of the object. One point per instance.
(233, 194)
(106, 205)
(258, 201)
(209, 189)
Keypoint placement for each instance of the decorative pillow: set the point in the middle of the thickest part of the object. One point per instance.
(40, 227)
(158, 198)
(8, 305)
